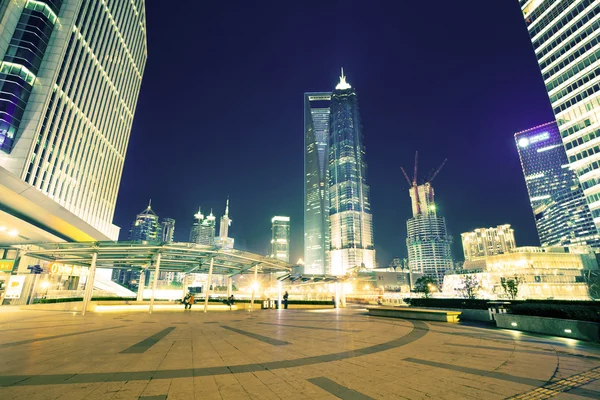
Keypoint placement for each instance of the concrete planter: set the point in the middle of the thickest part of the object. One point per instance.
(550, 326)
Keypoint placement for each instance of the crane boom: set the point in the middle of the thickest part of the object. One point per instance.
(437, 171)
(406, 176)
(415, 173)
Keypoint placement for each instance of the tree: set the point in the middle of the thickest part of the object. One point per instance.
(511, 286)
(425, 285)
(470, 287)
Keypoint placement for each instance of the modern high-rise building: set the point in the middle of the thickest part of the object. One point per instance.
(350, 219)
(223, 240)
(203, 229)
(167, 229)
(566, 39)
(280, 238)
(483, 242)
(561, 213)
(70, 75)
(316, 184)
(145, 226)
(428, 242)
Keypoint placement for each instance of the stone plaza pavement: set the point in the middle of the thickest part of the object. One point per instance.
(288, 354)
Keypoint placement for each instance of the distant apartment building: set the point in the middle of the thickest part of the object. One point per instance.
(483, 242)
(167, 229)
(203, 229)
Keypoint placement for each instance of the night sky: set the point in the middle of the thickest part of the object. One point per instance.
(221, 111)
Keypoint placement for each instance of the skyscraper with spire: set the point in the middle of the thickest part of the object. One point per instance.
(316, 182)
(223, 240)
(145, 226)
(203, 229)
(350, 219)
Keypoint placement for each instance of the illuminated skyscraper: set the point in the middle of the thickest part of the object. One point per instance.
(145, 226)
(203, 229)
(70, 74)
(483, 242)
(562, 216)
(316, 184)
(280, 238)
(350, 219)
(167, 229)
(566, 39)
(223, 240)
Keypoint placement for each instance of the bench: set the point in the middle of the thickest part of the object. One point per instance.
(414, 313)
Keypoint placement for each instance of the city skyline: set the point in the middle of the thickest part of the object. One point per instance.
(503, 91)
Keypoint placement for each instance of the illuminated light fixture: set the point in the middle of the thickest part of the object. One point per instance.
(513, 324)
(432, 207)
(568, 331)
(2, 228)
(13, 233)
(343, 85)
(523, 142)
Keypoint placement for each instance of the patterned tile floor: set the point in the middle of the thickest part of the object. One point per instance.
(288, 354)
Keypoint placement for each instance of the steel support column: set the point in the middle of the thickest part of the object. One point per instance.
(141, 283)
(89, 283)
(254, 285)
(210, 270)
(154, 281)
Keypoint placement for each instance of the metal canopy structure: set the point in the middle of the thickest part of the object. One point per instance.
(159, 256)
(175, 257)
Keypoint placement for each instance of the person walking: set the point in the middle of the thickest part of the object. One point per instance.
(285, 300)
(185, 301)
(191, 301)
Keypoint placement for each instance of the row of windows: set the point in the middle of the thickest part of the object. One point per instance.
(584, 154)
(548, 18)
(575, 85)
(585, 138)
(558, 40)
(570, 17)
(593, 198)
(576, 99)
(575, 69)
(577, 40)
(576, 127)
(578, 67)
(590, 167)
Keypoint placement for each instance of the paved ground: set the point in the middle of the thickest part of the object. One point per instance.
(292, 354)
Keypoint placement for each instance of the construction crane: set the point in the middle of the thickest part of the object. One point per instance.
(413, 183)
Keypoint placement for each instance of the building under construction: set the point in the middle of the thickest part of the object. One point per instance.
(428, 242)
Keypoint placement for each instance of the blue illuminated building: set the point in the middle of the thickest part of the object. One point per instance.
(562, 215)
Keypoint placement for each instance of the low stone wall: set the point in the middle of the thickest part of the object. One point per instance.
(550, 326)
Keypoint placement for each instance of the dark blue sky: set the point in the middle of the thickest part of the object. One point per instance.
(221, 111)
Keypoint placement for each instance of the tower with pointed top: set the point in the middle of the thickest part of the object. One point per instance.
(350, 219)
(145, 226)
(223, 240)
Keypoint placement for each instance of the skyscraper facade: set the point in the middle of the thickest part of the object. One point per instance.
(316, 184)
(350, 219)
(70, 76)
(280, 238)
(561, 213)
(483, 242)
(203, 229)
(223, 241)
(566, 39)
(167, 229)
(428, 242)
(145, 226)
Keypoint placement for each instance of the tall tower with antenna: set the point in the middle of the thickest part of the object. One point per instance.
(428, 242)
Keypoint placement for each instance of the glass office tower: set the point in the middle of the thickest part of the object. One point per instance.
(562, 216)
(566, 39)
(70, 74)
(280, 238)
(316, 184)
(350, 219)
